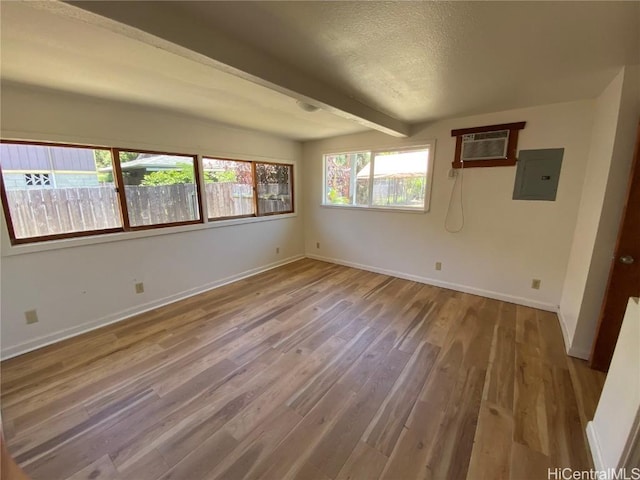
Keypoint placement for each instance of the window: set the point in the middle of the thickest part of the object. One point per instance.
(160, 188)
(228, 186)
(395, 179)
(37, 179)
(345, 185)
(79, 200)
(274, 186)
(57, 191)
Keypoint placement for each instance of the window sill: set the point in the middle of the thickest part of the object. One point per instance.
(376, 209)
(9, 250)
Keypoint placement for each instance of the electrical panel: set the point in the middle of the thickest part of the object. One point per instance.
(538, 174)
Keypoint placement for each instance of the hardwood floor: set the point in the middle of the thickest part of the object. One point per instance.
(309, 371)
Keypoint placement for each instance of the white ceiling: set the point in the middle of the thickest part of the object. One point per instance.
(38, 47)
(413, 61)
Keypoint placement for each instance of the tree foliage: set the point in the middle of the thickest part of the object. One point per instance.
(169, 177)
(184, 174)
(103, 157)
(339, 175)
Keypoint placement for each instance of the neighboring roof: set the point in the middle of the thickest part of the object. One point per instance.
(163, 162)
(45, 157)
(408, 164)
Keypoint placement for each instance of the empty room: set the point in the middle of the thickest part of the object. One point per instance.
(319, 240)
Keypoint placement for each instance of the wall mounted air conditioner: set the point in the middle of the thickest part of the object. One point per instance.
(485, 146)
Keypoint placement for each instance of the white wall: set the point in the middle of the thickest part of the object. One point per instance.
(504, 244)
(616, 115)
(85, 286)
(619, 405)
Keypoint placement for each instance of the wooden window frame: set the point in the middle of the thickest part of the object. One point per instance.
(123, 196)
(118, 181)
(512, 146)
(255, 189)
(57, 236)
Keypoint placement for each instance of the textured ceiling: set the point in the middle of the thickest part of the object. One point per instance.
(41, 48)
(415, 61)
(424, 60)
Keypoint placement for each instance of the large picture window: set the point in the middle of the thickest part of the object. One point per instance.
(393, 179)
(52, 191)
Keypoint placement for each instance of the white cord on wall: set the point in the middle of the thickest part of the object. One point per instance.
(446, 220)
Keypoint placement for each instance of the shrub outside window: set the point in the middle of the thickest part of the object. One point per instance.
(392, 179)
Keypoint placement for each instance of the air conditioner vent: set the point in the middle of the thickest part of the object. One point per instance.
(485, 146)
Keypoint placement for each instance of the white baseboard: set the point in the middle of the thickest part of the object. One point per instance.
(594, 446)
(439, 283)
(571, 350)
(55, 337)
(579, 353)
(565, 332)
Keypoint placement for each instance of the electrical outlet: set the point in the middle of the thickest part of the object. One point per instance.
(140, 287)
(438, 265)
(317, 244)
(31, 316)
(277, 250)
(535, 284)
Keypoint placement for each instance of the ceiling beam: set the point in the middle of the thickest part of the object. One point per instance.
(164, 26)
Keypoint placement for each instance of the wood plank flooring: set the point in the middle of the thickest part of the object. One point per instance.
(308, 371)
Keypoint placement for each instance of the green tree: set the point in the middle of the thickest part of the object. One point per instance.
(184, 174)
(226, 176)
(103, 157)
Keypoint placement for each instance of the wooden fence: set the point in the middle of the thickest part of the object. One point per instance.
(49, 211)
(229, 199)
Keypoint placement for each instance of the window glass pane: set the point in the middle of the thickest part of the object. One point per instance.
(228, 187)
(159, 188)
(400, 178)
(56, 190)
(347, 178)
(274, 188)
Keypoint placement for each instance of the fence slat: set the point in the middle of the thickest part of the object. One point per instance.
(49, 211)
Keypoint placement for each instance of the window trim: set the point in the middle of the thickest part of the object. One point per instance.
(255, 186)
(55, 241)
(429, 146)
(115, 152)
(45, 238)
(253, 189)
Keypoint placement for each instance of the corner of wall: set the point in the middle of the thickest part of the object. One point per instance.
(587, 271)
(594, 446)
(565, 330)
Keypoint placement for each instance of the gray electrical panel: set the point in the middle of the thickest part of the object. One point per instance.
(538, 174)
